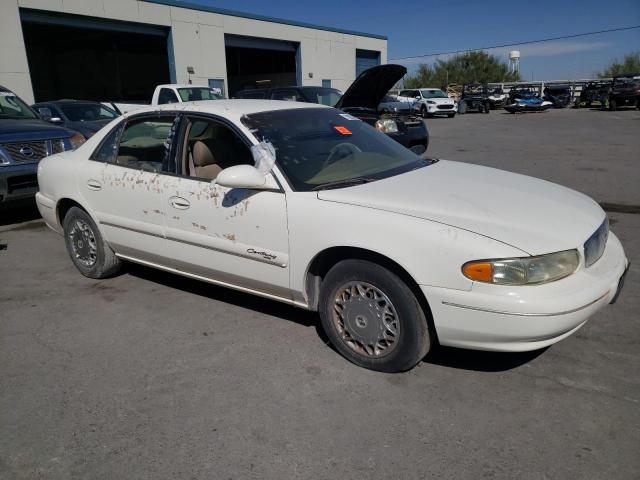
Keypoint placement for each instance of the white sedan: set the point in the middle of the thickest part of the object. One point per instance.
(394, 251)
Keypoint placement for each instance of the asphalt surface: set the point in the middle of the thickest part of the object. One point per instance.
(152, 376)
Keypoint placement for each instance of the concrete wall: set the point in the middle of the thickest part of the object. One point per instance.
(198, 40)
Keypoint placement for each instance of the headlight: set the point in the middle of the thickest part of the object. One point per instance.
(4, 161)
(523, 271)
(76, 140)
(386, 125)
(431, 102)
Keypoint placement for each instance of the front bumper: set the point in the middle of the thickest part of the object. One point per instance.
(434, 110)
(523, 318)
(18, 182)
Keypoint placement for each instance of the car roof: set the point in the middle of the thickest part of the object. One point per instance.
(234, 108)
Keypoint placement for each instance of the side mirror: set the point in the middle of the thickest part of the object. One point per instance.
(417, 97)
(55, 120)
(245, 176)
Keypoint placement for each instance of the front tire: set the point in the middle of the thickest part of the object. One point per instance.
(613, 105)
(91, 255)
(372, 317)
(451, 115)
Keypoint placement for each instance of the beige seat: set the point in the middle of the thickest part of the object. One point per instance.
(204, 162)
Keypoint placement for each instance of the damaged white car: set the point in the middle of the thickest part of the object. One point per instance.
(394, 251)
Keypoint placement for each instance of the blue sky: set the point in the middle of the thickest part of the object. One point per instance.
(417, 27)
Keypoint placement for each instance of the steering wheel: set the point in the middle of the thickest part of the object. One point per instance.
(340, 151)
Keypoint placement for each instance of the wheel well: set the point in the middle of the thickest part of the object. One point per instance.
(64, 205)
(325, 260)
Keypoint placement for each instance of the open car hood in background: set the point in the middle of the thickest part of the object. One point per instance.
(371, 86)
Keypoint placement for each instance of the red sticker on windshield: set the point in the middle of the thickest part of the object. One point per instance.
(342, 130)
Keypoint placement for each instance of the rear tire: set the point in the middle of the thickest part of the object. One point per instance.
(487, 107)
(613, 105)
(372, 317)
(91, 255)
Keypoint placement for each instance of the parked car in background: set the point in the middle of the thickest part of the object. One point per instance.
(362, 100)
(625, 91)
(25, 139)
(393, 250)
(82, 116)
(169, 93)
(430, 102)
(391, 104)
(559, 95)
(320, 95)
(592, 92)
(474, 96)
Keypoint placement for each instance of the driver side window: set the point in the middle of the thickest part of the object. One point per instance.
(209, 147)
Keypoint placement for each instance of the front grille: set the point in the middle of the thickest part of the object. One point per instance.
(445, 107)
(33, 151)
(22, 182)
(595, 244)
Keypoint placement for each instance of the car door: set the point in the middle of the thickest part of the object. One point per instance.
(123, 184)
(233, 236)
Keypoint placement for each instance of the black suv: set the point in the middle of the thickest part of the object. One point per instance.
(625, 91)
(361, 100)
(474, 96)
(24, 140)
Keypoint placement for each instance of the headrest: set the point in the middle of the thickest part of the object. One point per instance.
(202, 154)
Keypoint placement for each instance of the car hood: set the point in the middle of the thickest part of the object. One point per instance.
(368, 90)
(440, 100)
(24, 130)
(532, 215)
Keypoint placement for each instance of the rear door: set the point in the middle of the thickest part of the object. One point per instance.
(124, 181)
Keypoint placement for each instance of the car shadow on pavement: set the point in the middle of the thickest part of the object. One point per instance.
(226, 295)
(479, 361)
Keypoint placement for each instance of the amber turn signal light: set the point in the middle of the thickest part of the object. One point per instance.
(480, 271)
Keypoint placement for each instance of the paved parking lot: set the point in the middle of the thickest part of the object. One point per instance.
(149, 375)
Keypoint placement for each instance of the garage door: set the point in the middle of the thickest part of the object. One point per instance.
(87, 58)
(366, 59)
(254, 62)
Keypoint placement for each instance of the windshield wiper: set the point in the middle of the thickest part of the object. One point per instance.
(343, 183)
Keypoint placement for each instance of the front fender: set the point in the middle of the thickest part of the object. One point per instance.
(432, 253)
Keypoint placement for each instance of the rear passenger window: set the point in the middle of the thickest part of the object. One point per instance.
(108, 149)
(146, 144)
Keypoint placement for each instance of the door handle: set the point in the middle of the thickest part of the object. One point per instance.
(94, 185)
(179, 203)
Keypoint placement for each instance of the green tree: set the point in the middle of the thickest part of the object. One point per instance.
(464, 68)
(630, 64)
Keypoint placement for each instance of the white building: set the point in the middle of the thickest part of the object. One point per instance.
(120, 49)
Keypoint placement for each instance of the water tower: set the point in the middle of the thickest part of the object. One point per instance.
(514, 61)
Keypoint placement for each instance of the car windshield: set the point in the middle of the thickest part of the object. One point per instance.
(88, 112)
(433, 93)
(193, 94)
(324, 148)
(13, 108)
(322, 95)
